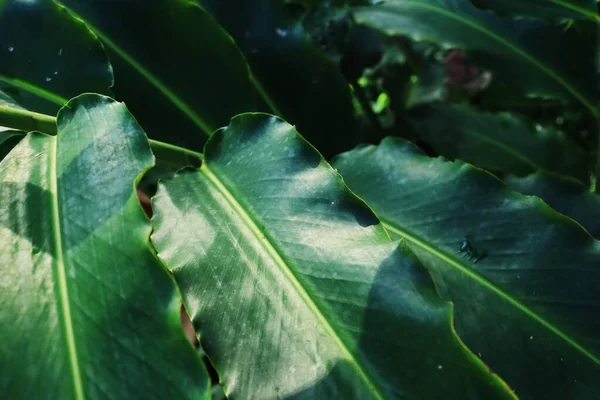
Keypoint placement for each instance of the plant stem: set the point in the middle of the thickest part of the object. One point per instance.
(23, 120)
(27, 121)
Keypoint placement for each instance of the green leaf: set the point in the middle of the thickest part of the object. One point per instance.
(524, 279)
(295, 287)
(302, 85)
(498, 142)
(176, 68)
(87, 310)
(565, 195)
(552, 10)
(8, 139)
(47, 57)
(329, 3)
(528, 58)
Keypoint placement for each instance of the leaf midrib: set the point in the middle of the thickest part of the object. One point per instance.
(514, 48)
(581, 10)
(440, 254)
(35, 90)
(60, 267)
(286, 270)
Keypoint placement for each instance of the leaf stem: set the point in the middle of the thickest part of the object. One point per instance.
(24, 120)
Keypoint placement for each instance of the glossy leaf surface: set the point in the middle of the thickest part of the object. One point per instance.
(87, 310)
(294, 286)
(498, 142)
(553, 10)
(178, 71)
(48, 57)
(565, 195)
(526, 57)
(524, 279)
(302, 85)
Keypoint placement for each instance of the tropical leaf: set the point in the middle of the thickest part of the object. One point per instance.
(87, 310)
(176, 68)
(552, 10)
(287, 65)
(526, 57)
(524, 279)
(498, 142)
(565, 195)
(47, 57)
(189, 68)
(282, 267)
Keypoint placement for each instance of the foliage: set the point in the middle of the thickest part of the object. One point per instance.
(432, 234)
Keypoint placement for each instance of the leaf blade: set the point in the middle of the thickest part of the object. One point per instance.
(519, 297)
(300, 83)
(186, 118)
(553, 10)
(71, 276)
(326, 259)
(493, 43)
(42, 78)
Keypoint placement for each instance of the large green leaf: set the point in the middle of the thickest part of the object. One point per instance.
(524, 279)
(87, 310)
(528, 58)
(47, 57)
(498, 142)
(295, 287)
(302, 84)
(565, 195)
(553, 10)
(183, 76)
(176, 68)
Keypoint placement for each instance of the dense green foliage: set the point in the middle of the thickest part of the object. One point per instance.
(352, 199)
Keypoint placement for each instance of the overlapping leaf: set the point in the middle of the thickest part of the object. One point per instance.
(303, 86)
(176, 68)
(526, 57)
(175, 58)
(47, 57)
(524, 279)
(553, 10)
(565, 195)
(86, 309)
(295, 287)
(498, 142)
